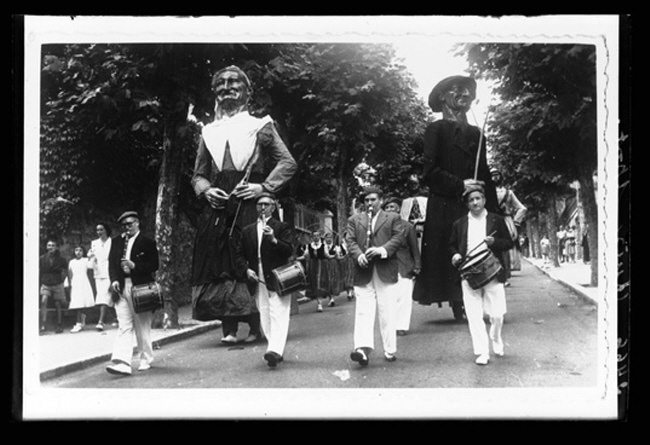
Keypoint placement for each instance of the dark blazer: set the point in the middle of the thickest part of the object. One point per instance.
(408, 254)
(387, 233)
(502, 240)
(273, 255)
(144, 255)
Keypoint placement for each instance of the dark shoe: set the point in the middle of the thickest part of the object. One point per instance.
(359, 356)
(119, 369)
(59, 329)
(273, 358)
(389, 357)
(402, 332)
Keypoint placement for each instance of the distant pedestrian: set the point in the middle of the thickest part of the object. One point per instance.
(408, 256)
(476, 232)
(545, 246)
(373, 240)
(52, 274)
(98, 255)
(570, 245)
(585, 246)
(333, 255)
(81, 291)
(132, 261)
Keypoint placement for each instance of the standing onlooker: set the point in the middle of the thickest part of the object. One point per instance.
(450, 160)
(586, 257)
(408, 256)
(570, 245)
(239, 157)
(476, 232)
(266, 245)
(346, 265)
(81, 291)
(373, 240)
(545, 246)
(132, 261)
(98, 254)
(52, 275)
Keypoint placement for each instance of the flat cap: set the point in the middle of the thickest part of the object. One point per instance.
(125, 215)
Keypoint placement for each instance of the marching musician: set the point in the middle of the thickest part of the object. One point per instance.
(266, 245)
(373, 239)
(474, 233)
(133, 260)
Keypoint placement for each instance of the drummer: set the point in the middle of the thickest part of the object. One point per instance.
(266, 245)
(472, 234)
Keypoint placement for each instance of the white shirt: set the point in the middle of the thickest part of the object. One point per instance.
(129, 245)
(476, 231)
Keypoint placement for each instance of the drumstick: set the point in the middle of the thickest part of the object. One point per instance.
(478, 245)
(480, 142)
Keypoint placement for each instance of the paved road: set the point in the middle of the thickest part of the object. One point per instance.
(550, 336)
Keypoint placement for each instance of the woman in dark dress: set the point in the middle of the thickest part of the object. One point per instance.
(450, 155)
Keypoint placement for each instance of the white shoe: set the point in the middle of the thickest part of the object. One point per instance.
(144, 366)
(76, 328)
(229, 339)
(498, 348)
(319, 308)
(483, 359)
(119, 369)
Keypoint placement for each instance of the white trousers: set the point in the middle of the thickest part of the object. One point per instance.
(404, 294)
(131, 324)
(374, 297)
(275, 314)
(490, 299)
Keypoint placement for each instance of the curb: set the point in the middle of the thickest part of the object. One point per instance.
(577, 289)
(180, 334)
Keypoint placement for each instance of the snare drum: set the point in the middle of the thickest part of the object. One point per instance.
(146, 297)
(480, 269)
(290, 278)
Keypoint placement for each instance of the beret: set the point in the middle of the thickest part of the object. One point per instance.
(392, 200)
(473, 188)
(266, 195)
(127, 214)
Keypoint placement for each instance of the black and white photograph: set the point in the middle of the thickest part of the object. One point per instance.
(322, 218)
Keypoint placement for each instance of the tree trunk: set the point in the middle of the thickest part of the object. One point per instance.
(166, 223)
(551, 230)
(342, 192)
(590, 208)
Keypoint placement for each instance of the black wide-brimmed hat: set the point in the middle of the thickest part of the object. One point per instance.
(435, 101)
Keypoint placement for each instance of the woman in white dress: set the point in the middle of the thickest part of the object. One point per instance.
(81, 292)
(98, 256)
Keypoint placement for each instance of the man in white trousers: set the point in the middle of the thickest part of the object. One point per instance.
(408, 256)
(266, 245)
(132, 260)
(475, 233)
(373, 238)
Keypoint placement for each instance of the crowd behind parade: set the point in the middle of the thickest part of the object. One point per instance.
(392, 253)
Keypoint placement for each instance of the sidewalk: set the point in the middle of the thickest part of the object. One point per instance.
(66, 352)
(576, 276)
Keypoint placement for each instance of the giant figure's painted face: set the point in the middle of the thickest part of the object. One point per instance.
(458, 97)
(230, 89)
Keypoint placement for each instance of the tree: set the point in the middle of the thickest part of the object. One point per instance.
(543, 133)
(343, 104)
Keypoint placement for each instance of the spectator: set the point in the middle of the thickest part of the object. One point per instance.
(81, 292)
(52, 274)
(98, 254)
